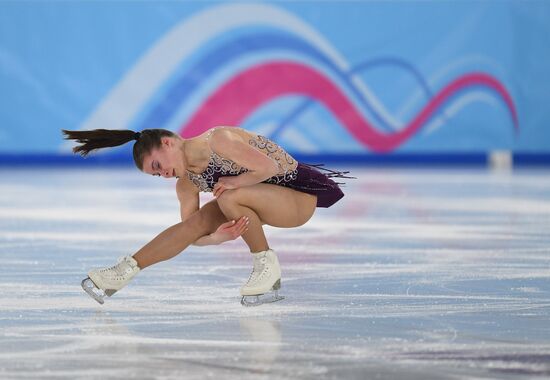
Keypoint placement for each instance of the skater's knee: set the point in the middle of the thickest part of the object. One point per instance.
(229, 197)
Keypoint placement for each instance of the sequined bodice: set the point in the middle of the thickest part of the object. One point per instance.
(219, 166)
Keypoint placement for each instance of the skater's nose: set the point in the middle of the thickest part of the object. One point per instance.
(166, 173)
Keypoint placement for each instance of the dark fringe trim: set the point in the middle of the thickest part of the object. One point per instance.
(331, 173)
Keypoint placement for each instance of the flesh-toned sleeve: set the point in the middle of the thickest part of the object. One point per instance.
(233, 147)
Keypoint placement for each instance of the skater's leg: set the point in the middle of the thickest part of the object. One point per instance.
(266, 204)
(107, 281)
(176, 238)
(212, 215)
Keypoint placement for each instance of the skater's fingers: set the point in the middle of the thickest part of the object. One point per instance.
(240, 224)
(227, 225)
(218, 189)
(235, 223)
(243, 224)
(243, 220)
(238, 231)
(231, 226)
(238, 228)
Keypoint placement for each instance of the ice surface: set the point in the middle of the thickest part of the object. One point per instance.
(415, 274)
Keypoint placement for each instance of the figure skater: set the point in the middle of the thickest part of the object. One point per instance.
(253, 180)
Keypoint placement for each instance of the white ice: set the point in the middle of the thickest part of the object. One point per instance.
(414, 274)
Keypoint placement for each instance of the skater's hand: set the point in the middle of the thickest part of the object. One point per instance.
(225, 183)
(231, 230)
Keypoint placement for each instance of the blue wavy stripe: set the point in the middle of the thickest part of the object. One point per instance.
(386, 61)
(188, 83)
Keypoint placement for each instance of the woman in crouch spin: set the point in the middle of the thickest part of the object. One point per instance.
(253, 180)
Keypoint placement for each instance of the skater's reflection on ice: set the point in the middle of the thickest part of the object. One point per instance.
(267, 334)
(107, 335)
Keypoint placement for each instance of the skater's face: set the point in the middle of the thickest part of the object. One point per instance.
(165, 161)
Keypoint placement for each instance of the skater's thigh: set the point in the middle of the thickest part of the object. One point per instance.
(276, 206)
(212, 215)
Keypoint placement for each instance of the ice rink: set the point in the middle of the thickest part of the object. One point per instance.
(415, 274)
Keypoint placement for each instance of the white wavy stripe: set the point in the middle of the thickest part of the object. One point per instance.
(294, 134)
(456, 36)
(456, 106)
(126, 98)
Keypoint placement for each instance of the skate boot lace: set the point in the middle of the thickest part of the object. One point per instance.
(259, 270)
(121, 268)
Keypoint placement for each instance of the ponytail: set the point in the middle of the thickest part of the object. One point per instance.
(99, 138)
(146, 140)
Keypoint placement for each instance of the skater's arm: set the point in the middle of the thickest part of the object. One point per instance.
(207, 240)
(225, 232)
(188, 196)
(233, 147)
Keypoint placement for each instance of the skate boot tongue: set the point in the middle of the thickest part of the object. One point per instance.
(124, 266)
(259, 261)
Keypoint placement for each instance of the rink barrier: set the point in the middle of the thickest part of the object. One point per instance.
(490, 159)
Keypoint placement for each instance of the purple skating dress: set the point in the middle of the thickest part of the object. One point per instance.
(293, 174)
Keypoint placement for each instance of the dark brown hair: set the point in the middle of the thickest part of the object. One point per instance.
(146, 140)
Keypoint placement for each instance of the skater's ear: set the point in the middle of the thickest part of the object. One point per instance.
(166, 141)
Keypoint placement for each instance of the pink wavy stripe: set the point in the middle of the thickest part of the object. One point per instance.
(242, 94)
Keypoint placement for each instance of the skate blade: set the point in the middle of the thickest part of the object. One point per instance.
(93, 291)
(261, 299)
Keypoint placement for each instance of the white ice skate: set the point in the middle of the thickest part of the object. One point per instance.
(265, 277)
(107, 281)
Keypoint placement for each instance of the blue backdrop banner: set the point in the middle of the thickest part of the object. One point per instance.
(344, 79)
